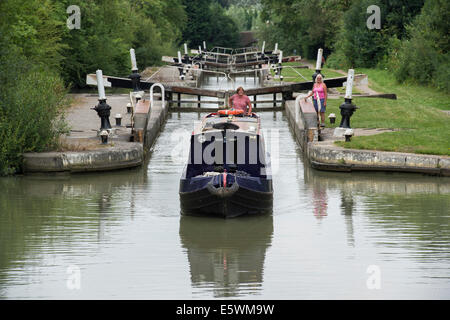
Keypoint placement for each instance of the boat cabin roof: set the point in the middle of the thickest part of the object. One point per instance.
(216, 122)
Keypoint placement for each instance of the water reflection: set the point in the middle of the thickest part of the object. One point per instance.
(347, 208)
(227, 256)
(53, 213)
(412, 208)
(320, 201)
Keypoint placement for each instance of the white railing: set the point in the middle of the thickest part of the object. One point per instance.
(162, 94)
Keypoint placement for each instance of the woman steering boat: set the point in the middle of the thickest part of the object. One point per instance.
(240, 101)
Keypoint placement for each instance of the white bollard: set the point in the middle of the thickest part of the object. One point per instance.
(263, 46)
(204, 45)
(276, 48)
(185, 49)
(133, 60)
(179, 57)
(200, 49)
(319, 59)
(349, 85)
(100, 85)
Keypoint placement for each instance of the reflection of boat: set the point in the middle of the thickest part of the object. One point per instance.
(227, 174)
(227, 255)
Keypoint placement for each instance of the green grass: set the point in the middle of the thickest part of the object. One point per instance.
(291, 76)
(342, 91)
(423, 141)
(383, 81)
(417, 111)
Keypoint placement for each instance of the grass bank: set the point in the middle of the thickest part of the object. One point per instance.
(291, 74)
(418, 112)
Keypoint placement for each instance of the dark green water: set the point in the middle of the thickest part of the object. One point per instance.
(123, 232)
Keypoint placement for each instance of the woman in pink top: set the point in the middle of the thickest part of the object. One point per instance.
(240, 101)
(319, 89)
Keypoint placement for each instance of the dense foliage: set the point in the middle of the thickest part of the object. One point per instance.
(412, 41)
(207, 21)
(32, 102)
(425, 55)
(244, 17)
(110, 28)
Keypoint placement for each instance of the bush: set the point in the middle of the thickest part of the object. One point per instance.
(31, 111)
(337, 60)
(424, 57)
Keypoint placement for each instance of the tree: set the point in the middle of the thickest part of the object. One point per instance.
(423, 56)
(224, 32)
(198, 24)
(207, 22)
(358, 46)
(32, 29)
(301, 25)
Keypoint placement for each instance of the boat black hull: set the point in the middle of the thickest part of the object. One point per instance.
(226, 202)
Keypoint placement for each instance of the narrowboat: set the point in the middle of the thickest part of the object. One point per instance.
(228, 172)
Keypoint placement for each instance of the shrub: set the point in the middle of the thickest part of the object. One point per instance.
(424, 57)
(32, 105)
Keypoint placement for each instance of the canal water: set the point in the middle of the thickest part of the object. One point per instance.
(119, 235)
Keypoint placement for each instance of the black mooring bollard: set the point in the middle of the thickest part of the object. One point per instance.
(347, 109)
(348, 134)
(135, 80)
(315, 74)
(118, 120)
(104, 111)
(134, 76)
(332, 118)
(104, 135)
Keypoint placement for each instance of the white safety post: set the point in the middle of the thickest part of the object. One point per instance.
(133, 60)
(204, 45)
(185, 49)
(179, 57)
(280, 57)
(263, 47)
(162, 94)
(349, 85)
(319, 59)
(276, 48)
(100, 85)
(200, 49)
(297, 106)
